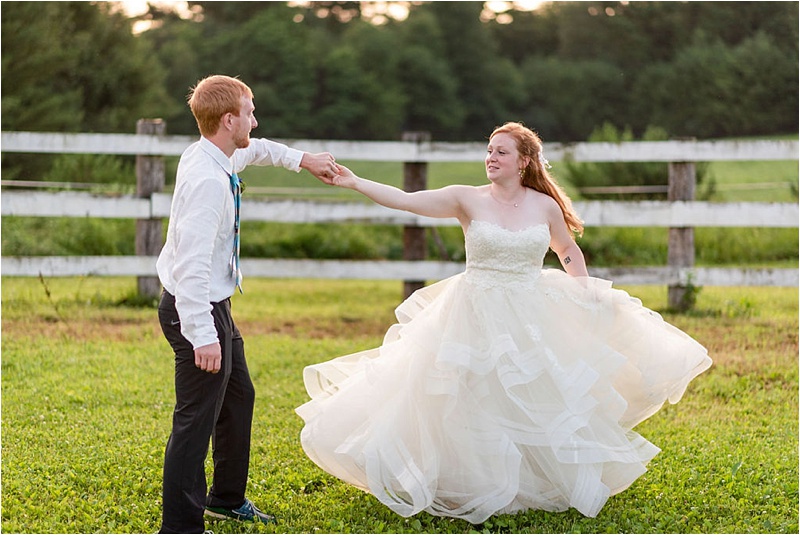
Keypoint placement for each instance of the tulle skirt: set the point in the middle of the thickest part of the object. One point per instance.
(495, 398)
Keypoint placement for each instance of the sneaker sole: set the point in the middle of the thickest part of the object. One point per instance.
(221, 516)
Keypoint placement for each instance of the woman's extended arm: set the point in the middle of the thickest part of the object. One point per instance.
(444, 202)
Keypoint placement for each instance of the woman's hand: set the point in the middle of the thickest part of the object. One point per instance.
(344, 178)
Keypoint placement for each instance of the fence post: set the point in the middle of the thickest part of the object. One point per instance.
(150, 175)
(415, 178)
(682, 182)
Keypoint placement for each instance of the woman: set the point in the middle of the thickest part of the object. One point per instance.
(507, 387)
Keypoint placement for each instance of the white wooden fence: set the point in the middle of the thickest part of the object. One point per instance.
(685, 214)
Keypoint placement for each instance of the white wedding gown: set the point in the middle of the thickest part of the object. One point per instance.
(503, 388)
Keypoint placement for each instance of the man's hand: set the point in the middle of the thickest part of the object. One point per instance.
(209, 357)
(321, 165)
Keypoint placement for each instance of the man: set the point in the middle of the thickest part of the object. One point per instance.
(199, 270)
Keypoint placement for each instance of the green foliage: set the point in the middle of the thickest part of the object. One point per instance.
(568, 98)
(719, 246)
(326, 69)
(283, 82)
(376, 82)
(88, 393)
(603, 246)
(610, 246)
(754, 181)
(712, 89)
(36, 92)
(589, 175)
(755, 247)
(355, 242)
(688, 296)
(93, 169)
(350, 97)
(175, 44)
(743, 247)
(37, 236)
(425, 77)
(586, 176)
(764, 71)
(73, 67)
(489, 87)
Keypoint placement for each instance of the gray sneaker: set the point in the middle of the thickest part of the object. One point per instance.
(246, 513)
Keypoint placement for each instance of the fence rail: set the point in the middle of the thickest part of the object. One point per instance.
(144, 266)
(415, 151)
(681, 214)
(594, 213)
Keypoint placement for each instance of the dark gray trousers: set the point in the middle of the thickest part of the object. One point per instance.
(207, 406)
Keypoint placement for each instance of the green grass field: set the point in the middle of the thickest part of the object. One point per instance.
(87, 398)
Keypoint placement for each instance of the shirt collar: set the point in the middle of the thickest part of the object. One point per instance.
(216, 153)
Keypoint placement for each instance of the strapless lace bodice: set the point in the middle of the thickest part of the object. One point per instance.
(498, 256)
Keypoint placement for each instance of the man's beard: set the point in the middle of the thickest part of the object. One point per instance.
(243, 141)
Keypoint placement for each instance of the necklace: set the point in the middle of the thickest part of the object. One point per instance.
(515, 204)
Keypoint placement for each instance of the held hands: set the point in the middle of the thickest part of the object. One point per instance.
(344, 178)
(322, 165)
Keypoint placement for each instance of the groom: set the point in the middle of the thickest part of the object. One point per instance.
(198, 269)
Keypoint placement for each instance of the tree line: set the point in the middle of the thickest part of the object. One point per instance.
(323, 70)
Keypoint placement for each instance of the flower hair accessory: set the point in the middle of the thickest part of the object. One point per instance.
(543, 160)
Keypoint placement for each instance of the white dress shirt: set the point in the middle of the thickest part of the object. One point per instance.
(194, 264)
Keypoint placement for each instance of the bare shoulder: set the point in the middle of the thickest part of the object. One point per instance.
(466, 188)
(464, 191)
(546, 202)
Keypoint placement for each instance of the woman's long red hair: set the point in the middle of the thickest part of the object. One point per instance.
(535, 174)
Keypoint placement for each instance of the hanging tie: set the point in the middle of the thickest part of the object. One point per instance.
(236, 269)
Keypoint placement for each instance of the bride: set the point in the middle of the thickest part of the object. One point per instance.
(507, 387)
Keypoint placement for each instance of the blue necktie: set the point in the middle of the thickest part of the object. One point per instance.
(236, 269)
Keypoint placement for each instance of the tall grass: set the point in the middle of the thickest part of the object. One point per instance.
(87, 397)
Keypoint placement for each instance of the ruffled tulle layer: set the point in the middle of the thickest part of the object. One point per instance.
(488, 399)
